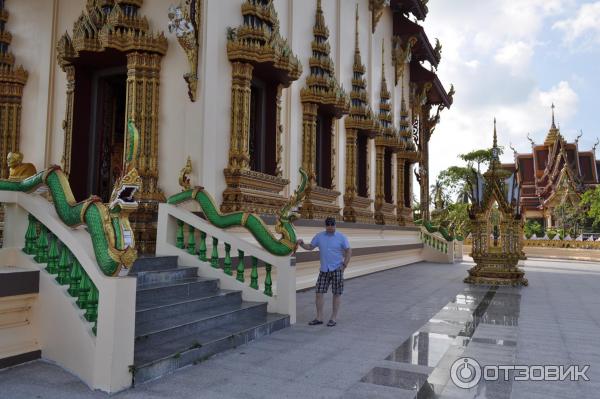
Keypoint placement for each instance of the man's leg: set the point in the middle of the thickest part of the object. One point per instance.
(319, 303)
(337, 299)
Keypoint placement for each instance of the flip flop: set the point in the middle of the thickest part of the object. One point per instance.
(315, 322)
(331, 323)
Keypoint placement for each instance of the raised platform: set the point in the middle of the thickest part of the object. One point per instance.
(374, 248)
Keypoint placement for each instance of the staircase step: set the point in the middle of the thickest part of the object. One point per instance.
(155, 332)
(165, 276)
(194, 287)
(163, 307)
(152, 263)
(158, 360)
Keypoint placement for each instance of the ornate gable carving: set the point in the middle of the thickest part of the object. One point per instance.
(110, 24)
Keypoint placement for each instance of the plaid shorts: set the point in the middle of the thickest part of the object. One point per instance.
(335, 278)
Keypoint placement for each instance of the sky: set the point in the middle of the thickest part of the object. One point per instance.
(511, 59)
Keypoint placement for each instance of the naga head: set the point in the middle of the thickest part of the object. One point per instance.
(287, 214)
(122, 198)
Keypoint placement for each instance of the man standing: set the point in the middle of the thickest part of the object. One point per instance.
(335, 253)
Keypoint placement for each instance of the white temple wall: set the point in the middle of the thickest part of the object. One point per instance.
(199, 129)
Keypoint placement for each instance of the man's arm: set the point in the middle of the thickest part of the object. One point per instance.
(308, 247)
(347, 256)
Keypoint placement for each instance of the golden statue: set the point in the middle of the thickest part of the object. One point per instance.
(18, 169)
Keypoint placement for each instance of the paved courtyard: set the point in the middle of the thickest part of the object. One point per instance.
(398, 334)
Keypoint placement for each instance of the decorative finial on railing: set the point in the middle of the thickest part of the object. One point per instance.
(184, 180)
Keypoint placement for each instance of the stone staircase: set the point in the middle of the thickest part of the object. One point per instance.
(182, 319)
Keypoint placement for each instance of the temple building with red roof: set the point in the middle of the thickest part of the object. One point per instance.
(553, 172)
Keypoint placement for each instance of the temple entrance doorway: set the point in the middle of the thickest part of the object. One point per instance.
(99, 123)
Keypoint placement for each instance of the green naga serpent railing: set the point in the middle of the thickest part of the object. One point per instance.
(205, 243)
(107, 224)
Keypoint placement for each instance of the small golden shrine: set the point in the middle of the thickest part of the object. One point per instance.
(496, 226)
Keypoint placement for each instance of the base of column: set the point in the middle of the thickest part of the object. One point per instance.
(358, 209)
(386, 214)
(144, 223)
(252, 191)
(405, 217)
(320, 203)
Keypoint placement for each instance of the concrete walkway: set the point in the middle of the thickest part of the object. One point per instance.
(558, 322)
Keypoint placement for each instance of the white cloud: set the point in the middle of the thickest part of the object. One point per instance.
(488, 49)
(516, 55)
(585, 26)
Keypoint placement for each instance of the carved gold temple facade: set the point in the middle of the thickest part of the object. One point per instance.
(345, 89)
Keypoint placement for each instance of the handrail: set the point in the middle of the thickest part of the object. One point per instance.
(67, 255)
(188, 236)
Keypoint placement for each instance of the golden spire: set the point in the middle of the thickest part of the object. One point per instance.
(383, 58)
(356, 49)
(553, 133)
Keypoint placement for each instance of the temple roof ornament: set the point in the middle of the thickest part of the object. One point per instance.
(386, 118)
(376, 7)
(12, 82)
(12, 79)
(401, 55)
(107, 24)
(258, 40)
(322, 86)
(361, 116)
(553, 133)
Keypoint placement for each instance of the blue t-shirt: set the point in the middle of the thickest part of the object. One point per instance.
(331, 249)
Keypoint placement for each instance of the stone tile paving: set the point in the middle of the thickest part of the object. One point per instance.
(554, 320)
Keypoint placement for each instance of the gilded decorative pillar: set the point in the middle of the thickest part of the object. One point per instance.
(322, 97)
(309, 141)
(387, 139)
(12, 81)
(67, 123)
(239, 154)
(379, 183)
(359, 122)
(406, 155)
(350, 193)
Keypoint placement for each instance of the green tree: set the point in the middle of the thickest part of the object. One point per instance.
(590, 201)
(479, 157)
(531, 228)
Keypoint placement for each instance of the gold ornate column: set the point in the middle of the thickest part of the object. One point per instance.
(239, 156)
(143, 82)
(12, 81)
(350, 181)
(67, 124)
(324, 97)
(309, 142)
(360, 121)
(387, 139)
(379, 182)
(407, 153)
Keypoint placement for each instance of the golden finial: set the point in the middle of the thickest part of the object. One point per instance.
(383, 57)
(553, 124)
(184, 180)
(356, 48)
